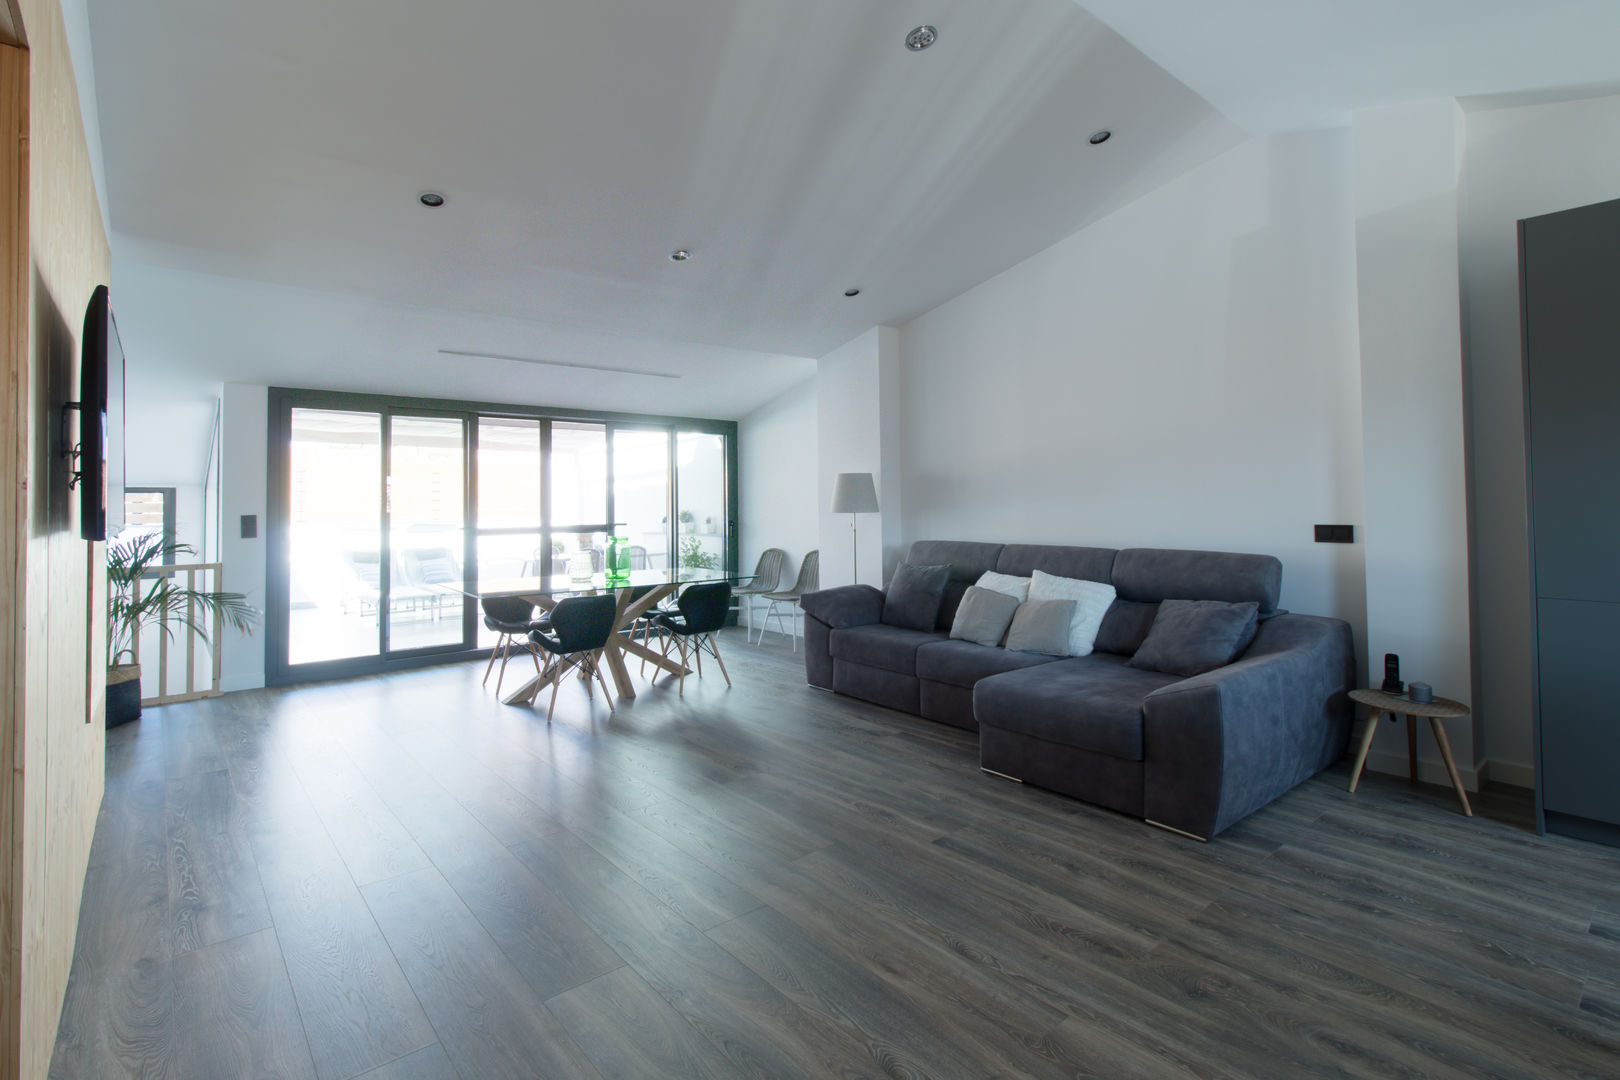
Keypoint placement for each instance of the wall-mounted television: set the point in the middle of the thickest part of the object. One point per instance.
(101, 422)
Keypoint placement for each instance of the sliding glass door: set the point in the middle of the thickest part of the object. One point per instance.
(387, 515)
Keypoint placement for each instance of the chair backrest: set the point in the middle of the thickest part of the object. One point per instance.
(768, 574)
(705, 606)
(507, 609)
(809, 574)
(582, 623)
(638, 557)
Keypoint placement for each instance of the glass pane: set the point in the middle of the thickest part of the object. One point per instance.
(577, 555)
(143, 513)
(509, 473)
(426, 496)
(502, 558)
(641, 496)
(701, 482)
(333, 535)
(578, 474)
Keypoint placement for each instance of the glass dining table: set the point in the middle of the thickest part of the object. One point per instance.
(642, 591)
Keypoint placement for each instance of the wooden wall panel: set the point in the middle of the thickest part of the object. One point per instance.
(59, 738)
(14, 368)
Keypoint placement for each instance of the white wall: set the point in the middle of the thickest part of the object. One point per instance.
(857, 411)
(1181, 374)
(1407, 164)
(777, 486)
(1519, 163)
(244, 438)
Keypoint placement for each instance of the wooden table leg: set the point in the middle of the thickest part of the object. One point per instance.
(1411, 748)
(613, 653)
(525, 694)
(1373, 716)
(1451, 765)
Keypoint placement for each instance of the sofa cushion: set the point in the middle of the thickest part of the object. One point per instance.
(892, 648)
(1089, 563)
(967, 560)
(962, 663)
(1090, 702)
(1014, 586)
(1125, 627)
(1091, 601)
(1154, 574)
(1041, 626)
(1190, 637)
(914, 594)
(984, 616)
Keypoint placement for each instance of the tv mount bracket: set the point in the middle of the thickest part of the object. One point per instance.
(71, 450)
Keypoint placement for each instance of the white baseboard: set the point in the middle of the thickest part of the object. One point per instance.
(1512, 773)
(231, 683)
(1430, 772)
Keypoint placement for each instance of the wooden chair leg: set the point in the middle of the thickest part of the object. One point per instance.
(715, 647)
(505, 648)
(553, 706)
(491, 665)
(681, 683)
(596, 666)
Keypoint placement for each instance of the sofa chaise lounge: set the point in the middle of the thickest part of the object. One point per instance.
(1190, 754)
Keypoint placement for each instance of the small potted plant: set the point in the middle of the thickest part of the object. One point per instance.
(688, 521)
(136, 594)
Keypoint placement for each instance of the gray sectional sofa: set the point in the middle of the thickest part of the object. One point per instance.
(1191, 754)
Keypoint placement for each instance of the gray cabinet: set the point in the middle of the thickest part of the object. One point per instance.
(1569, 270)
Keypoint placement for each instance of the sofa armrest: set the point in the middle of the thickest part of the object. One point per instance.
(1220, 745)
(847, 605)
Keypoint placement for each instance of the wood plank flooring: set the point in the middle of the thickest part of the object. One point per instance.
(399, 877)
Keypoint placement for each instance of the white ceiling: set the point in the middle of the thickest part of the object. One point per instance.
(1281, 65)
(263, 161)
(796, 149)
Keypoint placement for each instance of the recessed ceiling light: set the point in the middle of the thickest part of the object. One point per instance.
(430, 198)
(679, 255)
(921, 37)
(852, 292)
(1100, 137)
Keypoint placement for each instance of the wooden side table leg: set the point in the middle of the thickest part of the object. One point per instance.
(1373, 716)
(1411, 748)
(1451, 766)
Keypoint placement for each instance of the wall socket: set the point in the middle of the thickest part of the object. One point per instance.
(1335, 534)
(250, 526)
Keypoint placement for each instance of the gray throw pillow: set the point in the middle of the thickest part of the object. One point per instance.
(1041, 626)
(915, 595)
(1190, 637)
(984, 616)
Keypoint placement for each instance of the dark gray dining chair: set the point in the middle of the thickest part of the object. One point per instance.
(575, 637)
(702, 611)
(512, 617)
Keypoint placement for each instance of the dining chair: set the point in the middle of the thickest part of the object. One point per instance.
(767, 578)
(512, 617)
(701, 611)
(575, 637)
(808, 581)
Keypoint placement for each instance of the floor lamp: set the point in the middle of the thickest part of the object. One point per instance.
(853, 494)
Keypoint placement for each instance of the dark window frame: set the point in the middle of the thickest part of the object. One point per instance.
(282, 400)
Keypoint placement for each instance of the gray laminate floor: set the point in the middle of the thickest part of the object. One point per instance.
(401, 878)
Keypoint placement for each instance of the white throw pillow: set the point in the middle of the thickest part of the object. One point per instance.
(1091, 602)
(1008, 584)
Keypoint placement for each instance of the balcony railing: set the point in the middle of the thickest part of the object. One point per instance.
(176, 640)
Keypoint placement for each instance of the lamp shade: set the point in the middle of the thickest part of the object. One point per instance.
(853, 493)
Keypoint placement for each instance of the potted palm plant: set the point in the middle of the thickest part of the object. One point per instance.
(138, 594)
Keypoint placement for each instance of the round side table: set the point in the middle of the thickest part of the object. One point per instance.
(1379, 703)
